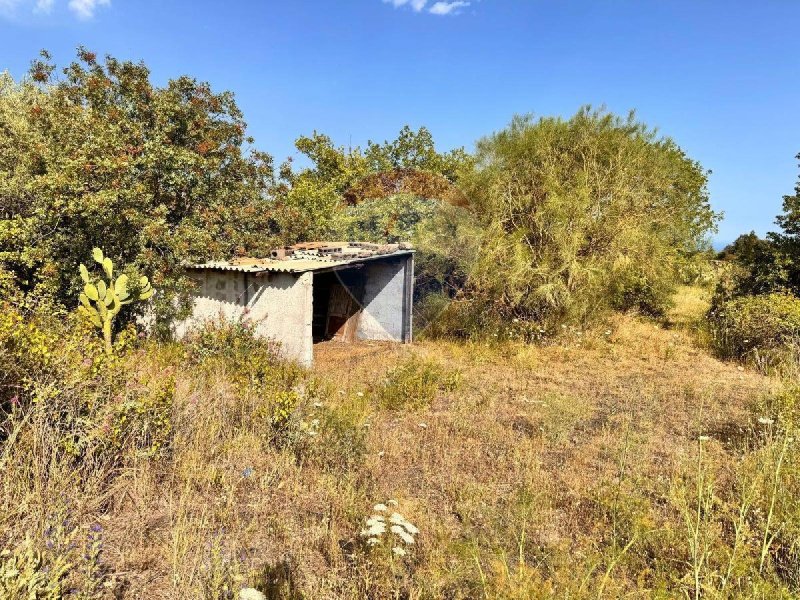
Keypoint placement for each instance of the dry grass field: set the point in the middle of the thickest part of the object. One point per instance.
(621, 462)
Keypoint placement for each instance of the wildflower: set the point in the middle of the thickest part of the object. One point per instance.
(318, 405)
(374, 530)
(251, 594)
(765, 421)
(402, 534)
(372, 541)
(399, 551)
(381, 453)
(360, 394)
(423, 425)
(704, 438)
(380, 508)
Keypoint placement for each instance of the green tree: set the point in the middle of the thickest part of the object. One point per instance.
(582, 215)
(764, 266)
(101, 156)
(310, 202)
(787, 241)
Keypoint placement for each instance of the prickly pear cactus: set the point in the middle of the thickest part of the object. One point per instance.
(101, 300)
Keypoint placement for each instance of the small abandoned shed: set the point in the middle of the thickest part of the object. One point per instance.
(311, 292)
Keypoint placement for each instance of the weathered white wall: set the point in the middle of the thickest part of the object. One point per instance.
(386, 304)
(279, 304)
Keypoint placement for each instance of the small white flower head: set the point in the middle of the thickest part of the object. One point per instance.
(375, 530)
(375, 519)
(318, 405)
(398, 551)
(704, 438)
(381, 453)
(372, 541)
(423, 425)
(608, 332)
(410, 528)
(360, 394)
(765, 421)
(402, 534)
(251, 594)
(380, 508)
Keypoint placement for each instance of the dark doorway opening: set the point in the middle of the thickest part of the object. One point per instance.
(337, 300)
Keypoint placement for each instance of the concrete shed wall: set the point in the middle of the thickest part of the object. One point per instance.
(386, 313)
(279, 304)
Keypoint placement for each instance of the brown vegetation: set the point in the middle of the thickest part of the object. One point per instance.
(568, 470)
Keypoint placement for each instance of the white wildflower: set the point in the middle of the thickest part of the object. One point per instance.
(704, 438)
(251, 594)
(318, 405)
(375, 530)
(423, 425)
(360, 394)
(402, 534)
(765, 421)
(399, 551)
(380, 508)
(410, 528)
(372, 541)
(375, 519)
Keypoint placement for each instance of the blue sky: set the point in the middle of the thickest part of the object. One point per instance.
(722, 78)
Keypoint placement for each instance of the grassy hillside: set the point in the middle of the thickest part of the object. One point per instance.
(622, 461)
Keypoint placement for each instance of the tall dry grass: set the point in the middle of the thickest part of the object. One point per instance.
(625, 461)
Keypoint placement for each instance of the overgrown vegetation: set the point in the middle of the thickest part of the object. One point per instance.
(541, 441)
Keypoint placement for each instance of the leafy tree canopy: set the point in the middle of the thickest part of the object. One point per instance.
(101, 156)
(309, 199)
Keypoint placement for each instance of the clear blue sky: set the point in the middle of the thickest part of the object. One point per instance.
(722, 78)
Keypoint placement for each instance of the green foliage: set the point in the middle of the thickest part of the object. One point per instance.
(415, 384)
(310, 202)
(23, 574)
(763, 266)
(101, 300)
(582, 215)
(751, 326)
(157, 175)
(393, 219)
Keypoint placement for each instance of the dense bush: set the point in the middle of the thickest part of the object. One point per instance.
(582, 215)
(102, 156)
(750, 326)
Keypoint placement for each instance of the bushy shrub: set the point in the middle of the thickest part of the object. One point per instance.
(415, 383)
(383, 220)
(756, 326)
(570, 229)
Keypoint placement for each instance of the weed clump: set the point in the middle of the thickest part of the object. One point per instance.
(414, 384)
(764, 329)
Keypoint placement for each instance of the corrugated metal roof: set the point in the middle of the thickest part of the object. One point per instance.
(311, 256)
